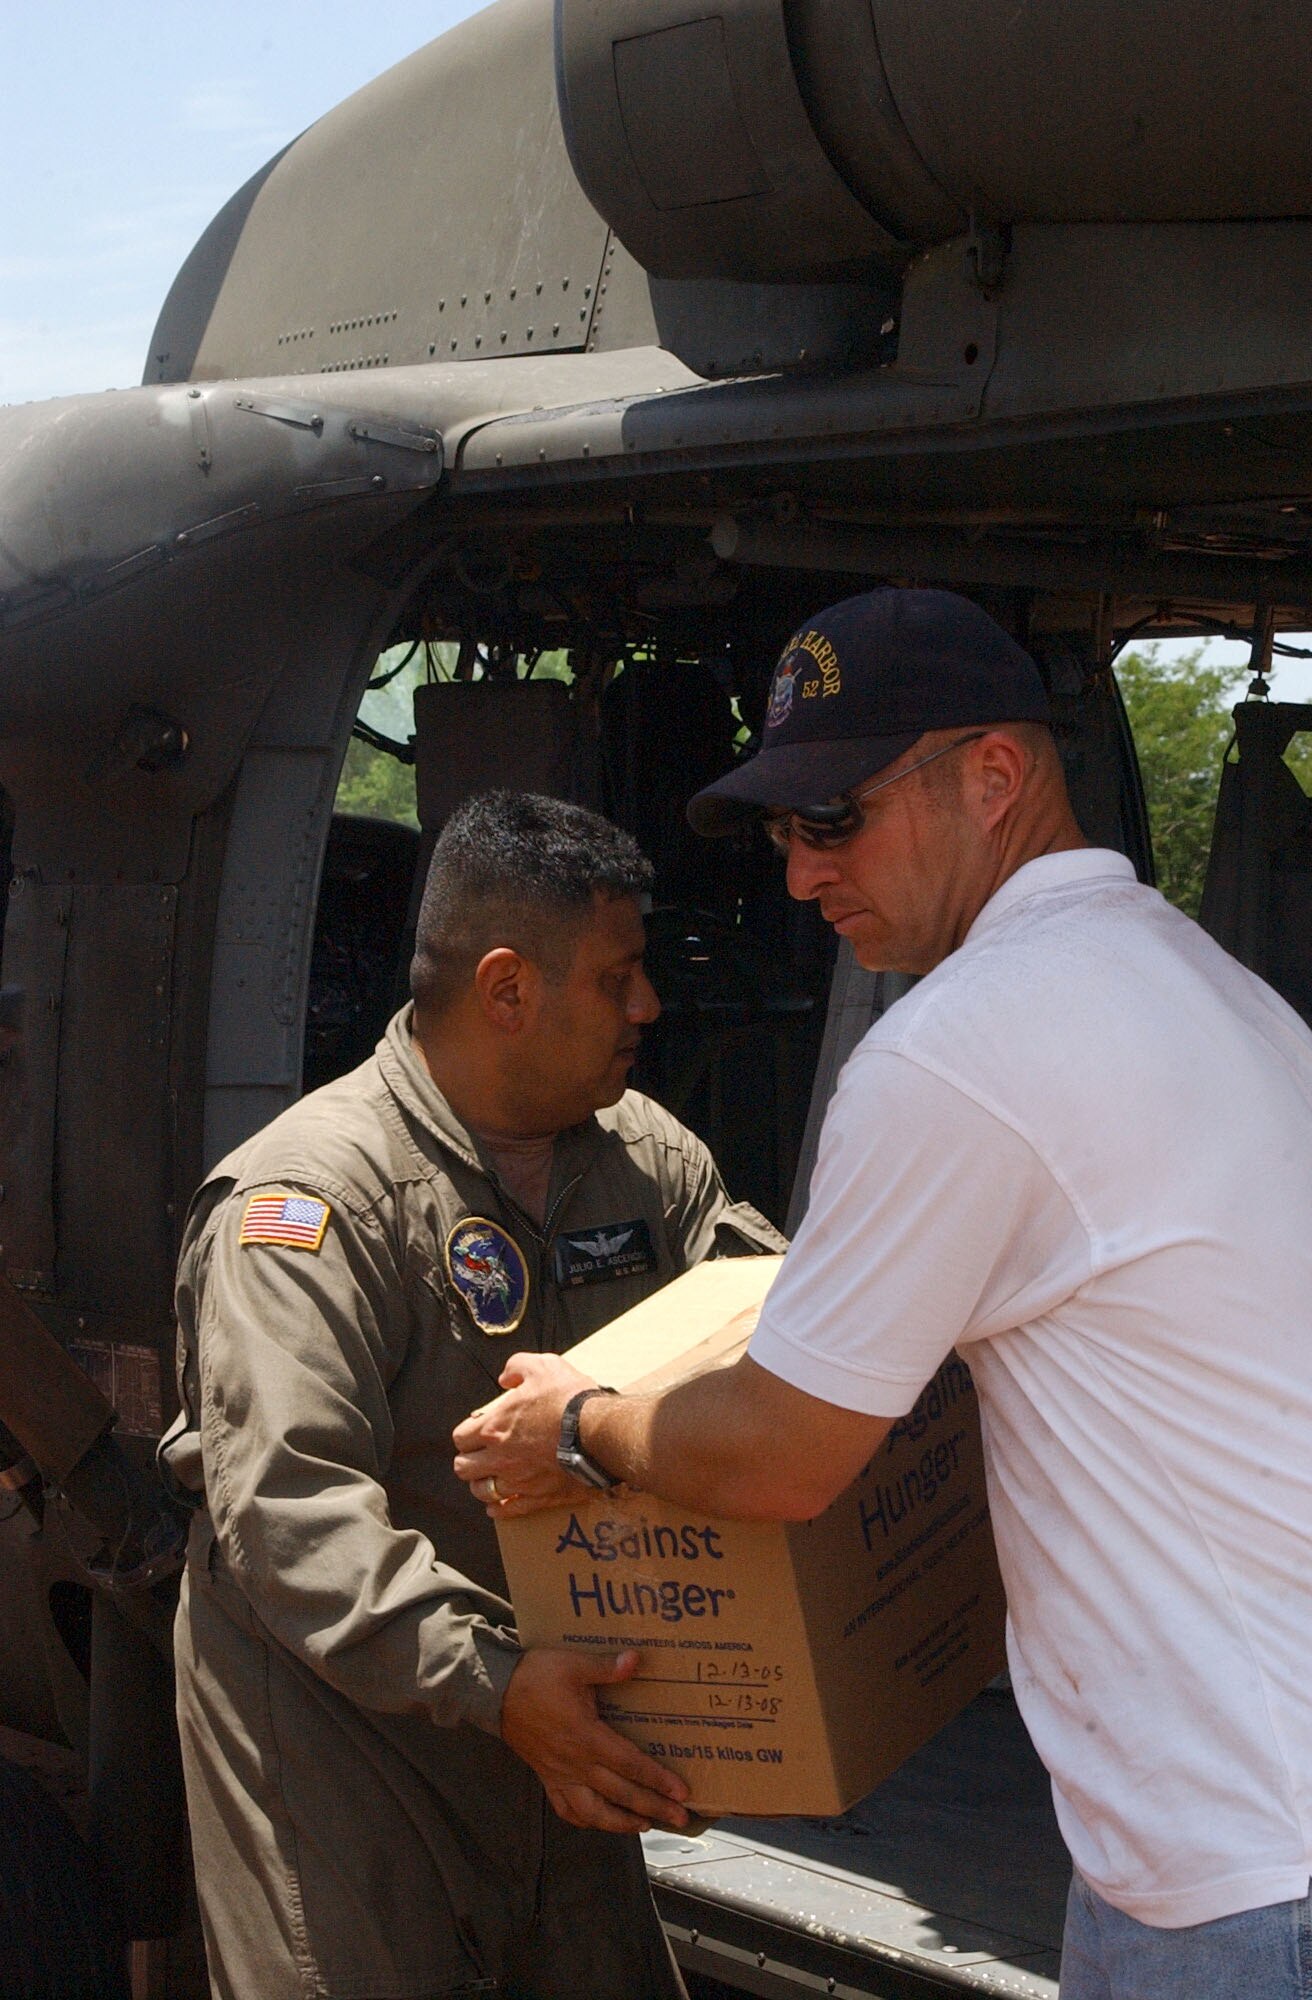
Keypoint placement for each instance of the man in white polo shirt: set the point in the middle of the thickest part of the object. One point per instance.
(1080, 1150)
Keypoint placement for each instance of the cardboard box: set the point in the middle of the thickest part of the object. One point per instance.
(786, 1668)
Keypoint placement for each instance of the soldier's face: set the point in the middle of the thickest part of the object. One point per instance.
(590, 1022)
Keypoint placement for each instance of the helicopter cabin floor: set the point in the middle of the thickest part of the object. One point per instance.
(948, 1879)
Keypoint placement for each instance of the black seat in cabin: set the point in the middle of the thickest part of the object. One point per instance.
(1257, 897)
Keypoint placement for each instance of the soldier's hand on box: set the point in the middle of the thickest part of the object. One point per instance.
(592, 1775)
(506, 1452)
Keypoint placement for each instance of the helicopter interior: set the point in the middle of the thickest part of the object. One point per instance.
(564, 669)
(583, 690)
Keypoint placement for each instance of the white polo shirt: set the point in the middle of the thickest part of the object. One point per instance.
(1080, 1150)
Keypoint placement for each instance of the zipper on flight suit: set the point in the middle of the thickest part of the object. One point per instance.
(544, 1236)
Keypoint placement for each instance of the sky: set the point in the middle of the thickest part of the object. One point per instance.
(127, 127)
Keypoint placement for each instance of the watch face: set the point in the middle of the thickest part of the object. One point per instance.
(579, 1466)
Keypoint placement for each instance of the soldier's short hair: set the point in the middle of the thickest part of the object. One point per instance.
(520, 870)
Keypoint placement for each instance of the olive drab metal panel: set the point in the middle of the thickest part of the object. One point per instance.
(847, 93)
(434, 216)
(118, 1233)
(1182, 111)
(186, 311)
(779, 138)
(689, 134)
(265, 919)
(36, 946)
(941, 374)
(182, 636)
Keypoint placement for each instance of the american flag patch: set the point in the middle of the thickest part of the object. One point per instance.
(296, 1220)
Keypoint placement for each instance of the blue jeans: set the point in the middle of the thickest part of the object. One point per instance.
(1261, 1954)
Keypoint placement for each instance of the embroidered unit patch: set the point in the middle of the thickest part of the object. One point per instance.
(297, 1221)
(487, 1268)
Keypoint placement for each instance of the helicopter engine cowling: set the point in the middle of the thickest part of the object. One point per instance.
(782, 139)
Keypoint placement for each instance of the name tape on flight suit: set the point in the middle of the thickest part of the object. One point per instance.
(612, 1250)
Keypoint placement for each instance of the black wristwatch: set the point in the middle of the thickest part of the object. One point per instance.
(570, 1455)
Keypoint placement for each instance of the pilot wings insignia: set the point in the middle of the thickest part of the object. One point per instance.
(605, 1243)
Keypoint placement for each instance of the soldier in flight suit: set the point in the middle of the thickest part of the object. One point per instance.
(369, 1755)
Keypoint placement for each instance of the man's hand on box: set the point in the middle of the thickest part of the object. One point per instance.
(592, 1775)
(506, 1452)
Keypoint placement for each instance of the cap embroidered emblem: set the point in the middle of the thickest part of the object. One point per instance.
(781, 690)
(297, 1221)
(487, 1268)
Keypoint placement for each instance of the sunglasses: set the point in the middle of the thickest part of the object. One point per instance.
(834, 825)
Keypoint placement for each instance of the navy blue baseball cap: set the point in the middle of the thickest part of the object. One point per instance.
(858, 684)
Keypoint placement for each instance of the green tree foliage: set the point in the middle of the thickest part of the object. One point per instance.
(375, 783)
(1179, 712)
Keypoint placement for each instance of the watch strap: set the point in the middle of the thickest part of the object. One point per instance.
(570, 1455)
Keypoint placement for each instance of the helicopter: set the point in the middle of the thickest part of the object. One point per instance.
(576, 359)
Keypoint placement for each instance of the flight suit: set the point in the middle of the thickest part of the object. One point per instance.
(343, 1641)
